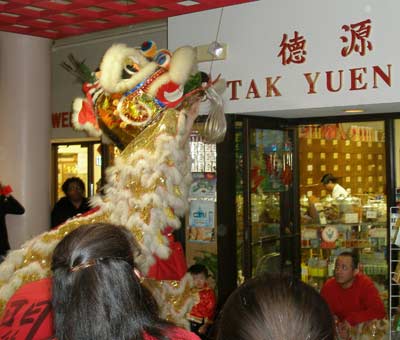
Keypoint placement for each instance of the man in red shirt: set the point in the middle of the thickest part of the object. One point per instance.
(352, 297)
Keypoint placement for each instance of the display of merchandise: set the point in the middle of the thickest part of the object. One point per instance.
(330, 227)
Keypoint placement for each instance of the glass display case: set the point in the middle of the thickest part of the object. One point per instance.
(332, 226)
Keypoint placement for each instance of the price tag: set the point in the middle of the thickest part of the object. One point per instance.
(372, 214)
(347, 142)
(335, 167)
(359, 156)
(358, 144)
(334, 142)
(309, 155)
(323, 167)
(335, 155)
(322, 155)
(359, 167)
(322, 142)
(348, 156)
(351, 218)
(309, 141)
(309, 167)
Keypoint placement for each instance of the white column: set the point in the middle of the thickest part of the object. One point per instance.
(25, 111)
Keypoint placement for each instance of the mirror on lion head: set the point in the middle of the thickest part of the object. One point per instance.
(135, 85)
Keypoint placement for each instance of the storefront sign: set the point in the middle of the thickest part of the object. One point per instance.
(61, 120)
(298, 55)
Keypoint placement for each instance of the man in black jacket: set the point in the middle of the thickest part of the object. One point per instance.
(8, 205)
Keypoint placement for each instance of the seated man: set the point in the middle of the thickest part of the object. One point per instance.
(351, 296)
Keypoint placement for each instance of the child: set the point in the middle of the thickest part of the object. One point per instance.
(201, 315)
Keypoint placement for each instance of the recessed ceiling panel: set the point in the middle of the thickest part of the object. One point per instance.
(57, 19)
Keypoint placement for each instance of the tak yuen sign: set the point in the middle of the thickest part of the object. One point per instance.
(301, 54)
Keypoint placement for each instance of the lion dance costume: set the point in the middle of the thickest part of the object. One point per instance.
(139, 100)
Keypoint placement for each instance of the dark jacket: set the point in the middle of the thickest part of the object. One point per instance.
(8, 205)
(64, 209)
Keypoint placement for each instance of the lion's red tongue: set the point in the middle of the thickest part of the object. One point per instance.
(170, 94)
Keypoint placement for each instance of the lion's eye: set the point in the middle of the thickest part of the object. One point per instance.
(163, 58)
(132, 68)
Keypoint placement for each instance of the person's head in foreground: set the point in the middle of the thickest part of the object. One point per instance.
(275, 308)
(346, 268)
(96, 295)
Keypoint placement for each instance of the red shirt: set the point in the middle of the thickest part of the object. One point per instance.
(205, 309)
(176, 333)
(28, 313)
(356, 304)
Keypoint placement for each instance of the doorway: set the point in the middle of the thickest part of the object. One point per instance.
(83, 160)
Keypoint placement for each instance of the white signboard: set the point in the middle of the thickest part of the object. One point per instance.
(291, 55)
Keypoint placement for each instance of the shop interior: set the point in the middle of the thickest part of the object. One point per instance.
(279, 217)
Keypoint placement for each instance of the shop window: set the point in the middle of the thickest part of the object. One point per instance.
(355, 220)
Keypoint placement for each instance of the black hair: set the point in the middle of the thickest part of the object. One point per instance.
(70, 180)
(275, 307)
(328, 178)
(354, 258)
(96, 295)
(198, 269)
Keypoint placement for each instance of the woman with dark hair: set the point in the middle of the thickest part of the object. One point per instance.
(271, 308)
(96, 294)
(74, 202)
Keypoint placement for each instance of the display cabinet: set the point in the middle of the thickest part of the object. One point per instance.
(329, 227)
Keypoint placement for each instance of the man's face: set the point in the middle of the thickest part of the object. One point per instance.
(199, 280)
(344, 272)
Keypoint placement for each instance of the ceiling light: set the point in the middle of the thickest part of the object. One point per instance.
(216, 49)
(33, 8)
(62, 2)
(354, 111)
(188, 3)
(20, 26)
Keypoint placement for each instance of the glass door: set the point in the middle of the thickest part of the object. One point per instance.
(266, 237)
(81, 160)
